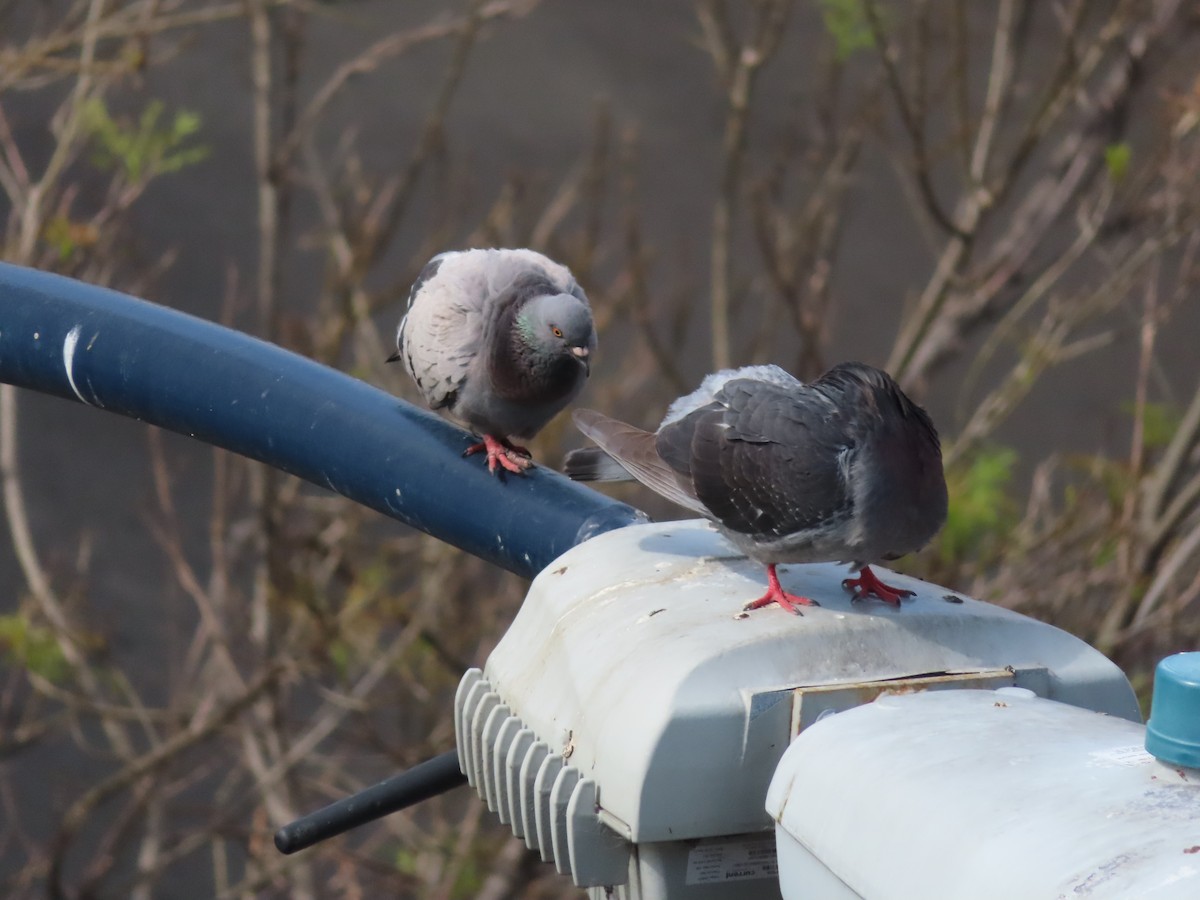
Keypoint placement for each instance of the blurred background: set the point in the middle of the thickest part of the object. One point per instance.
(997, 202)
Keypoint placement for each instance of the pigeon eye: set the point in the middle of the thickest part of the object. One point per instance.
(556, 330)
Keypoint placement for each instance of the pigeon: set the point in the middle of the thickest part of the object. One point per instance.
(844, 469)
(501, 340)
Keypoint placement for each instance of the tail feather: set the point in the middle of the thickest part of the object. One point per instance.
(634, 451)
(593, 464)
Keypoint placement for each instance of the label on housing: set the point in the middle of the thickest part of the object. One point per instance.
(1135, 755)
(733, 859)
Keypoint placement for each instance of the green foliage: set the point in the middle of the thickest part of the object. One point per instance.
(31, 647)
(981, 512)
(1116, 158)
(406, 861)
(146, 148)
(1105, 552)
(67, 236)
(341, 654)
(1160, 421)
(1113, 477)
(470, 879)
(847, 23)
(57, 234)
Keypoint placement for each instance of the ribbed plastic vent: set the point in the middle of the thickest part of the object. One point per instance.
(534, 790)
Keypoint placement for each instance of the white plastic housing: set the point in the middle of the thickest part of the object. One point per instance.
(991, 795)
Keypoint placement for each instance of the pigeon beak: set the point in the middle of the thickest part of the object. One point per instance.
(582, 354)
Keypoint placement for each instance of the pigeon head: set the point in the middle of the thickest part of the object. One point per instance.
(555, 328)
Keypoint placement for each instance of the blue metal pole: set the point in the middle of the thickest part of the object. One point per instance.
(161, 366)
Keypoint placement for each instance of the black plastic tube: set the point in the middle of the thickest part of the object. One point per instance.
(430, 778)
(161, 366)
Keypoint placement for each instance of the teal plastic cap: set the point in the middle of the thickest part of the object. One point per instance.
(1173, 732)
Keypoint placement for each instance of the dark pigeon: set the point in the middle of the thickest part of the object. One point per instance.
(499, 339)
(845, 469)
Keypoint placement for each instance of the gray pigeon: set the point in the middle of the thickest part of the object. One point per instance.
(501, 340)
(845, 469)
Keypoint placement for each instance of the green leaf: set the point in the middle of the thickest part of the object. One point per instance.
(341, 654)
(57, 232)
(1160, 421)
(31, 647)
(980, 510)
(847, 23)
(406, 861)
(143, 151)
(1116, 158)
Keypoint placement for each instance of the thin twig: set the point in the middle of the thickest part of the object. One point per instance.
(194, 734)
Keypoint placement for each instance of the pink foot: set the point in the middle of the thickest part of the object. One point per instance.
(776, 594)
(511, 457)
(868, 584)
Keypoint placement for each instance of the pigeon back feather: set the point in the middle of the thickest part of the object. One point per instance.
(765, 459)
(713, 383)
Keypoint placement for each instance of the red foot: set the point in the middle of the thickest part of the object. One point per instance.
(512, 457)
(867, 584)
(776, 594)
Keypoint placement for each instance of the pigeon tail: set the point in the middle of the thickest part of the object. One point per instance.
(593, 464)
(636, 451)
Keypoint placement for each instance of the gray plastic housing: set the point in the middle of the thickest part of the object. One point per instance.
(632, 668)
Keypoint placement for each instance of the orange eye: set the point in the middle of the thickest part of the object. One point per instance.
(557, 331)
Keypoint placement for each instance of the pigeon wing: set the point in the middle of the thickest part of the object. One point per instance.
(767, 460)
(440, 336)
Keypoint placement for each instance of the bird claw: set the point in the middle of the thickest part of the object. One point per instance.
(867, 584)
(510, 457)
(788, 602)
(776, 594)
